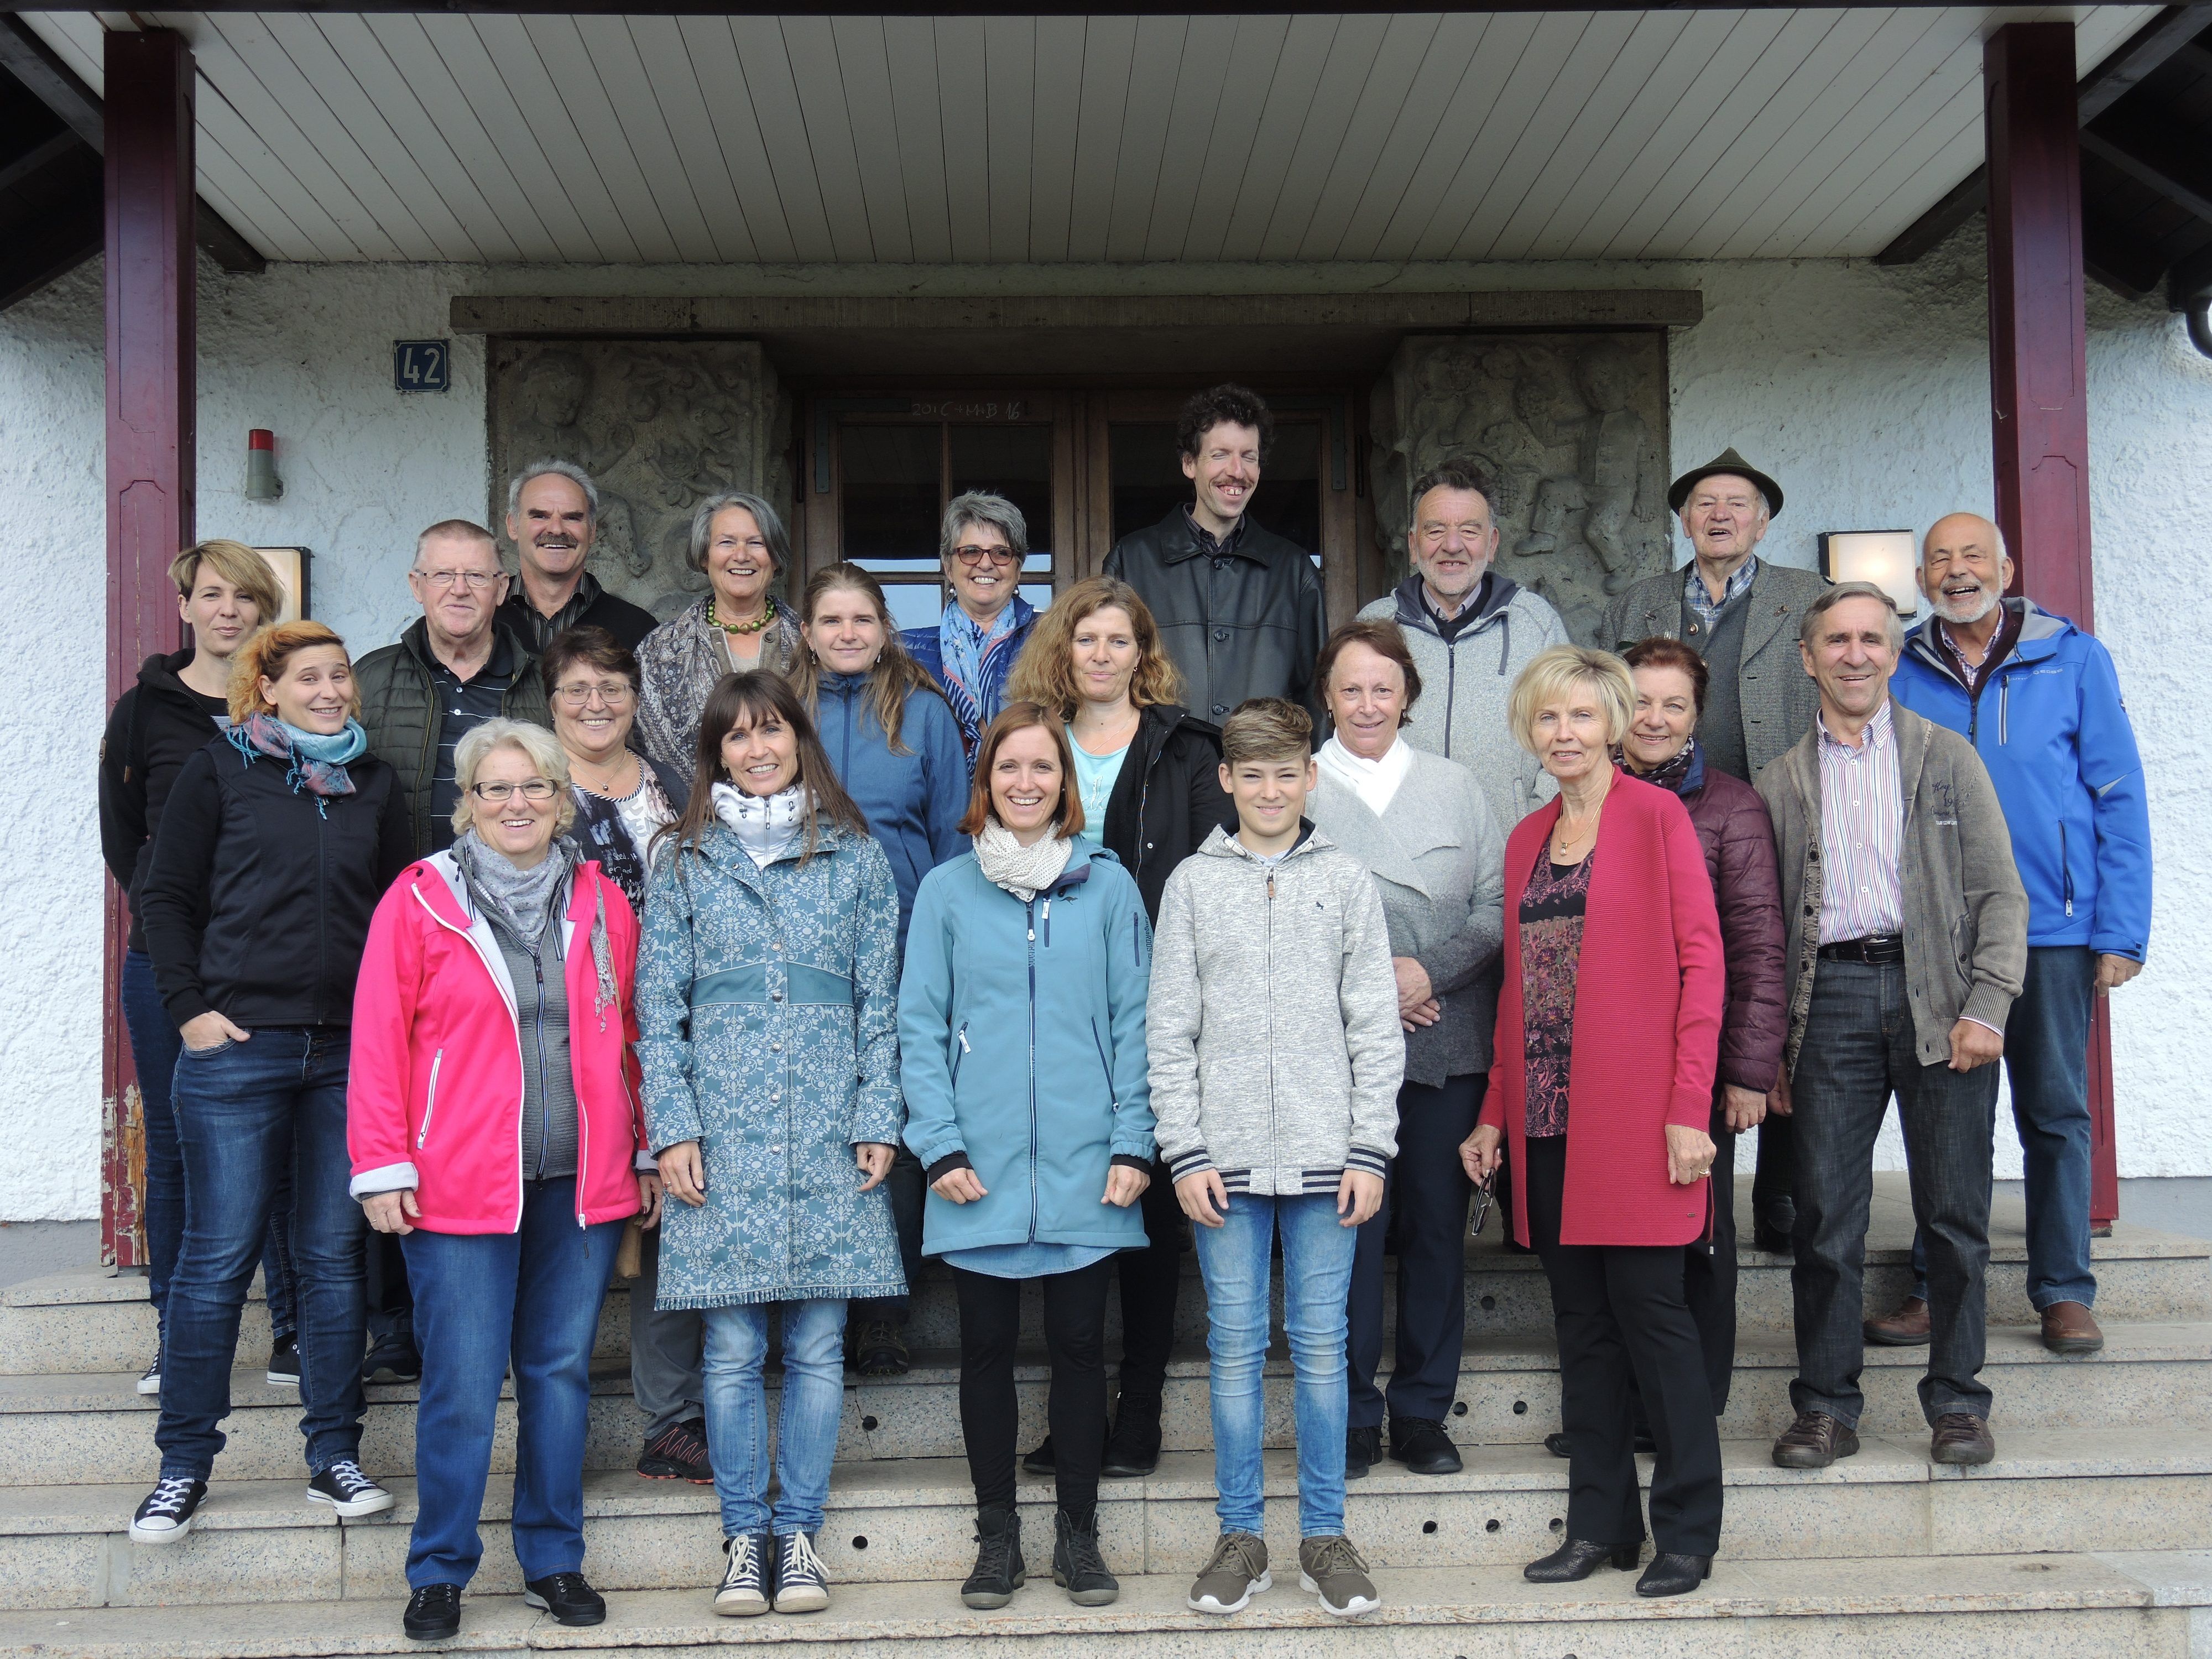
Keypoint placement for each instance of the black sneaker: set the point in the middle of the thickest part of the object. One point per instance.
(150, 1380)
(344, 1488)
(802, 1583)
(434, 1613)
(678, 1452)
(1133, 1448)
(879, 1350)
(1077, 1565)
(568, 1596)
(1421, 1444)
(284, 1363)
(1363, 1450)
(166, 1514)
(393, 1358)
(999, 1569)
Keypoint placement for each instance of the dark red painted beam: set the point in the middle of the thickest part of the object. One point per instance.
(150, 351)
(2038, 374)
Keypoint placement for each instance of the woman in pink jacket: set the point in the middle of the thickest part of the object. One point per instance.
(494, 1125)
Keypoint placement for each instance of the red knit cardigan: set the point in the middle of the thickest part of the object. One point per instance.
(1648, 992)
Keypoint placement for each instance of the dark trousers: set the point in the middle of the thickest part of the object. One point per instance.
(1774, 1177)
(1152, 1280)
(1858, 1047)
(1709, 1272)
(391, 1301)
(248, 1112)
(905, 1185)
(1426, 1190)
(1620, 1314)
(1075, 1345)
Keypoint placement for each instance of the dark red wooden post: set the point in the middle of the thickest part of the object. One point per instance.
(151, 346)
(2039, 402)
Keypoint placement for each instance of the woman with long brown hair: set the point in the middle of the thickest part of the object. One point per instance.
(896, 747)
(768, 1016)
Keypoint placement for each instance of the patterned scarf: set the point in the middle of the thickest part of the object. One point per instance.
(1671, 775)
(966, 650)
(520, 900)
(765, 825)
(1024, 871)
(315, 760)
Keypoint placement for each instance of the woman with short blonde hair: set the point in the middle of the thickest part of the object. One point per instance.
(1557, 673)
(537, 746)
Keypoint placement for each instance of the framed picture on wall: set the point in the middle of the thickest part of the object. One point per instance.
(290, 564)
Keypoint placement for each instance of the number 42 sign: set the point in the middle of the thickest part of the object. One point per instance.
(422, 365)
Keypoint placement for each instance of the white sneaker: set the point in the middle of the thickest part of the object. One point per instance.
(348, 1490)
(150, 1380)
(166, 1514)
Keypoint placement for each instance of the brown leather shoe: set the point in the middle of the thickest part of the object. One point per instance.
(2070, 1328)
(1961, 1438)
(1814, 1441)
(1905, 1328)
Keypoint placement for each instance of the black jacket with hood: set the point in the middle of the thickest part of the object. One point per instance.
(154, 728)
(1167, 799)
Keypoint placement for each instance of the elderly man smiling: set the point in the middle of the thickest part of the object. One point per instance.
(2039, 700)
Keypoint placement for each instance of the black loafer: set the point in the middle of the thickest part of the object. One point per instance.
(1423, 1446)
(1577, 1558)
(1556, 1443)
(434, 1613)
(1363, 1449)
(1674, 1575)
(567, 1597)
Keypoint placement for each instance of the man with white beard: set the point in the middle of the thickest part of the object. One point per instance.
(2039, 700)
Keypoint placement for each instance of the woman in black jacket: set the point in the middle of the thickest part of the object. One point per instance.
(1150, 774)
(225, 590)
(276, 841)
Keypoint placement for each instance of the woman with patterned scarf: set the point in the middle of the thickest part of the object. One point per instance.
(768, 1004)
(496, 1130)
(275, 841)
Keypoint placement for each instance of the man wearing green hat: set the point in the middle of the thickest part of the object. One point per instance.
(1738, 610)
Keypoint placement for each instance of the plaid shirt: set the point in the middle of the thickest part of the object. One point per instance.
(1701, 601)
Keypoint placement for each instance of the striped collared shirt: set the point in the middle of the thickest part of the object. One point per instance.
(1862, 833)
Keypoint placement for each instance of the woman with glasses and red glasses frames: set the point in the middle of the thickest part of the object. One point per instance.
(970, 653)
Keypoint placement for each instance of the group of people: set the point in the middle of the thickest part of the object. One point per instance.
(1050, 943)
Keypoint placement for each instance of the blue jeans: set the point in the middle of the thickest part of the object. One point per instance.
(806, 1430)
(1317, 1255)
(154, 1046)
(2047, 1062)
(481, 1300)
(248, 1114)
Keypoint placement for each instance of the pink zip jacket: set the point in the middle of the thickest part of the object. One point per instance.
(435, 1099)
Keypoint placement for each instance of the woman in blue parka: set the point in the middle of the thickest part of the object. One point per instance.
(896, 747)
(1022, 1037)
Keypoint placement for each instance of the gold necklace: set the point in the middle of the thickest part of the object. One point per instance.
(766, 616)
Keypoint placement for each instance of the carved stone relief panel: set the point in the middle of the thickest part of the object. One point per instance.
(1571, 430)
(660, 425)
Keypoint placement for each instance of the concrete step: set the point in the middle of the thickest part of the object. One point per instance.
(98, 1428)
(2138, 1603)
(910, 1520)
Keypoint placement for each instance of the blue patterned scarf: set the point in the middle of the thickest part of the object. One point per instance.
(315, 760)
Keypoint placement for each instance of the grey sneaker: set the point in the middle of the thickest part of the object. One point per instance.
(1235, 1572)
(1337, 1571)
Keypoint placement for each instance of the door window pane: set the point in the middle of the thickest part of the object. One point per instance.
(1288, 500)
(1013, 461)
(890, 505)
(1146, 470)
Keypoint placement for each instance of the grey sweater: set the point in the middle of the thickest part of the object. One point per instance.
(1439, 865)
(1271, 1025)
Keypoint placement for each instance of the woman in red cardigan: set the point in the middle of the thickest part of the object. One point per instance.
(1601, 1093)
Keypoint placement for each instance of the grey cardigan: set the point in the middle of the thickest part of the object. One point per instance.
(1778, 697)
(1272, 1023)
(1439, 865)
(1965, 912)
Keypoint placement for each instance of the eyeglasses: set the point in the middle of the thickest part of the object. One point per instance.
(476, 580)
(972, 557)
(579, 696)
(532, 789)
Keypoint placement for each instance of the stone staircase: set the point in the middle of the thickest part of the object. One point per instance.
(2093, 1529)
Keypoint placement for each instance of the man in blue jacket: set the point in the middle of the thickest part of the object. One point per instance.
(2040, 702)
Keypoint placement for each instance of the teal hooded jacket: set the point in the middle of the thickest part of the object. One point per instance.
(1021, 1052)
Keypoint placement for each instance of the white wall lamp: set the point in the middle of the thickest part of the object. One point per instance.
(1890, 559)
(262, 483)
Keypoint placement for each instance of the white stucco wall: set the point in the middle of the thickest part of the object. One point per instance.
(1864, 391)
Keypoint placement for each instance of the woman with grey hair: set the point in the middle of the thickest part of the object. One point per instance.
(494, 1124)
(738, 543)
(982, 544)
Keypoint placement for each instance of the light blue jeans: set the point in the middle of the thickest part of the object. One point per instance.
(1317, 1255)
(806, 1429)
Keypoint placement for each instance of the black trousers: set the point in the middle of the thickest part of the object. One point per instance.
(1427, 1191)
(1619, 1312)
(1151, 1279)
(390, 1300)
(1074, 1343)
(1709, 1275)
(1775, 1174)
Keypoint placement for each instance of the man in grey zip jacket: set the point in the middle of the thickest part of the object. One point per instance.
(1471, 630)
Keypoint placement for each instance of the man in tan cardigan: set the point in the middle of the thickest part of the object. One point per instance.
(1909, 941)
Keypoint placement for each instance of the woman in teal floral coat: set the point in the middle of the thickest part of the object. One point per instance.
(768, 1012)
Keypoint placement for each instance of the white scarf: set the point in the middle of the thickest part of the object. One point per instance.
(765, 825)
(1024, 871)
(1374, 782)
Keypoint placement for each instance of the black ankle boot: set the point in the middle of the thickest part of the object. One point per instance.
(1134, 1448)
(1674, 1575)
(999, 1571)
(1077, 1565)
(1577, 1558)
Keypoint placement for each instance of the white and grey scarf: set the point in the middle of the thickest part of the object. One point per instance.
(1024, 871)
(521, 900)
(765, 825)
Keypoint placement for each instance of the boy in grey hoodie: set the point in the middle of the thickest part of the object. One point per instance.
(1276, 1056)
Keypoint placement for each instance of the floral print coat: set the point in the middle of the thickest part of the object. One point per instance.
(767, 1004)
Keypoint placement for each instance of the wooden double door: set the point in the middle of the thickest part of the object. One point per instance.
(1086, 467)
